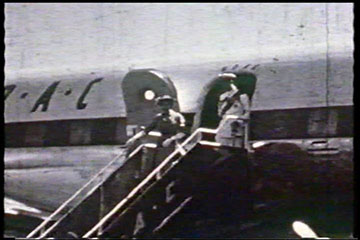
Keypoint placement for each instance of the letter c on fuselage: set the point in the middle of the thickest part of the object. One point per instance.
(80, 104)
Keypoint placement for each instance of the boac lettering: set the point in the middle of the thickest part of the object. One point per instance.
(169, 196)
(140, 223)
(44, 99)
(9, 89)
(80, 104)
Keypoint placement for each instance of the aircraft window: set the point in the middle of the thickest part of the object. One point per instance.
(23, 95)
(149, 95)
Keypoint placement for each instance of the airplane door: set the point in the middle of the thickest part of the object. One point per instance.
(140, 88)
(207, 116)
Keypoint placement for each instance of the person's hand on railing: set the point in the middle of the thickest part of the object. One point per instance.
(180, 135)
(167, 142)
(176, 137)
(132, 140)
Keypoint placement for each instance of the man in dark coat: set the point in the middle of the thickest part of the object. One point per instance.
(169, 123)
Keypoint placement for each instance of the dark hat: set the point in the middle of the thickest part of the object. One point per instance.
(165, 98)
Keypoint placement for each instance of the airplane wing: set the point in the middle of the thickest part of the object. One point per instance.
(13, 207)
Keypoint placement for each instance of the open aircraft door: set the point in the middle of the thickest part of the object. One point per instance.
(207, 117)
(141, 88)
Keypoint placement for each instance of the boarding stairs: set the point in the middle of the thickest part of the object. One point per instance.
(120, 198)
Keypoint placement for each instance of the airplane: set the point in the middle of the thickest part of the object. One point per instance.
(45, 176)
(61, 130)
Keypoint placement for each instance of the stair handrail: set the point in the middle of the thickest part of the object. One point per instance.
(154, 173)
(77, 193)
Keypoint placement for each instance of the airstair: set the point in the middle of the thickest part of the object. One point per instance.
(89, 201)
(134, 199)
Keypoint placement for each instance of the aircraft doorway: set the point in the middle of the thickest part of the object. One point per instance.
(207, 116)
(140, 89)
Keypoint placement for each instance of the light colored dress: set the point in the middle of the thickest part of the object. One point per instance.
(231, 131)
